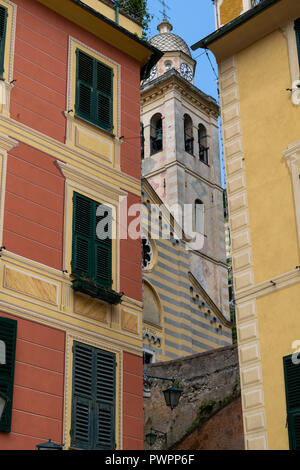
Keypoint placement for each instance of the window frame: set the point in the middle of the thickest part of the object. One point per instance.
(95, 93)
(203, 147)
(89, 282)
(93, 402)
(156, 134)
(76, 126)
(199, 216)
(188, 127)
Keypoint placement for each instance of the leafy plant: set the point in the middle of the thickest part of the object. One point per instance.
(138, 10)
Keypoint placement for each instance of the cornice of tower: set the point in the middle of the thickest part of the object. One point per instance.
(172, 81)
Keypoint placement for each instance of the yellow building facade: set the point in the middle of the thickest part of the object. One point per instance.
(257, 47)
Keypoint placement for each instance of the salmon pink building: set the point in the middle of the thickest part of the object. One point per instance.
(71, 366)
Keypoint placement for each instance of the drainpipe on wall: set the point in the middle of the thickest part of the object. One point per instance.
(117, 9)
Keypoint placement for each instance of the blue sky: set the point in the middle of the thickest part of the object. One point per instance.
(192, 20)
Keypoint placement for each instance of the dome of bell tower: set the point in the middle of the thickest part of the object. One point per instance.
(167, 41)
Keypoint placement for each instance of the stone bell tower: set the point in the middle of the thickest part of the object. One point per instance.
(180, 155)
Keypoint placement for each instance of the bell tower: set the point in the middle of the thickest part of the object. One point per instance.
(181, 156)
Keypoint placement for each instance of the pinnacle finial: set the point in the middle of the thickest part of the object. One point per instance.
(164, 12)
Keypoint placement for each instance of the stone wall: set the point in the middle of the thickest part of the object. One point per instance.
(209, 381)
(222, 431)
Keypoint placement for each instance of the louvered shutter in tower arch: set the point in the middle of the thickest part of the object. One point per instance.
(8, 334)
(292, 388)
(3, 21)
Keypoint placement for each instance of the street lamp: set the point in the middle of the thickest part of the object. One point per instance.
(172, 394)
(153, 435)
(48, 446)
(3, 403)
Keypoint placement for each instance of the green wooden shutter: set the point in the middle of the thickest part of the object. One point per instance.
(3, 21)
(292, 388)
(105, 397)
(84, 85)
(82, 236)
(82, 400)
(91, 256)
(105, 96)
(93, 398)
(8, 334)
(94, 91)
(297, 31)
(103, 247)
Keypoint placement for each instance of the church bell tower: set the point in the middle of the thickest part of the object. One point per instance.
(180, 155)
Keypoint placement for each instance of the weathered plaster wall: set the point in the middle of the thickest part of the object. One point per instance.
(207, 377)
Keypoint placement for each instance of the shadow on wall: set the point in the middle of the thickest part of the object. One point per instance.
(222, 430)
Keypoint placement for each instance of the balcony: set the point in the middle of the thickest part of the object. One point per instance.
(94, 289)
(131, 8)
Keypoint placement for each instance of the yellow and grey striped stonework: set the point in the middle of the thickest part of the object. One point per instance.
(184, 320)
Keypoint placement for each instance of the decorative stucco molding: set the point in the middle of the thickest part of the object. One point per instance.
(246, 311)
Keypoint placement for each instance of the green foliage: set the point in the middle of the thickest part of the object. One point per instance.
(234, 332)
(176, 383)
(207, 409)
(138, 10)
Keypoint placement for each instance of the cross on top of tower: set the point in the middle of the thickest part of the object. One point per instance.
(165, 7)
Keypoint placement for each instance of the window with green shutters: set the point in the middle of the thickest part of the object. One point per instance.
(3, 21)
(93, 398)
(292, 389)
(92, 256)
(94, 91)
(8, 335)
(92, 249)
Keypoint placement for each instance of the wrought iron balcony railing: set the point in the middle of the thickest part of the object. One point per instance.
(132, 8)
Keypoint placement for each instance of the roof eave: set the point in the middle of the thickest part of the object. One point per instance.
(227, 28)
(174, 74)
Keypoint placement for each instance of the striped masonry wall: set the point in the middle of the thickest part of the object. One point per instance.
(187, 322)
